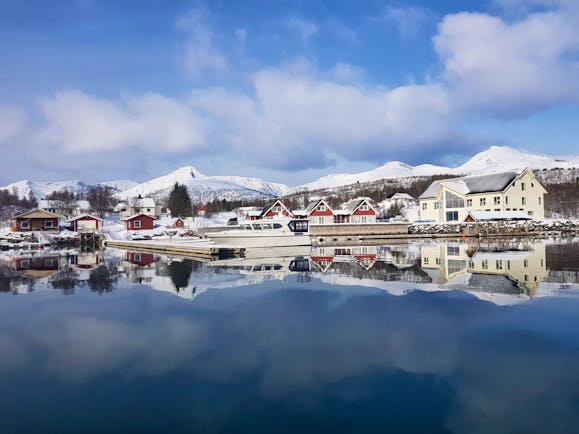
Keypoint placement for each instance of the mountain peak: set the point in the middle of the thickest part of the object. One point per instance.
(188, 170)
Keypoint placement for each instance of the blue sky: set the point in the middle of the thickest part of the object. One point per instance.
(287, 91)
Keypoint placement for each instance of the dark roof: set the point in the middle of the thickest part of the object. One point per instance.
(472, 184)
(270, 204)
(314, 204)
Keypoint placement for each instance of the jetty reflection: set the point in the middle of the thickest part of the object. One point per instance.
(503, 273)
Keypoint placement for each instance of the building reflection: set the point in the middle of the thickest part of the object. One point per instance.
(509, 269)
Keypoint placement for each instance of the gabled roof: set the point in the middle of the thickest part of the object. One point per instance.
(314, 204)
(472, 184)
(37, 213)
(141, 202)
(134, 216)
(78, 217)
(354, 204)
(268, 206)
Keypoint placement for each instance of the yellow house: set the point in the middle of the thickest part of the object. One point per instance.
(450, 200)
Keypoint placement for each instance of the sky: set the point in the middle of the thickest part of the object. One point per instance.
(287, 91)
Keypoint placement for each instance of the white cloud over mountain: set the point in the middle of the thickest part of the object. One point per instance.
(301, 118)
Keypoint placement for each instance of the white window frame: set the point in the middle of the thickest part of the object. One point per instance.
(48, 224)
(137, 224)
(25, 224)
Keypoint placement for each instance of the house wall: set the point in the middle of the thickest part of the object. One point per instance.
(318, 217)
(36, 224)
(509, 200)
(146, 223)
(75, 224)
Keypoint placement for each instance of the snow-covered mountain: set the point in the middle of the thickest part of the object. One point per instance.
(42, 189)
(204, 188)
(494, 159)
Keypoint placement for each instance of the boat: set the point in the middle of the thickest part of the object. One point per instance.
(274, 233)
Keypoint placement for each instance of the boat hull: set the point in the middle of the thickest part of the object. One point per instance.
(261, 240)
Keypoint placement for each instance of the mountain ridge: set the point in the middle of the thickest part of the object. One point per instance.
(203, 188)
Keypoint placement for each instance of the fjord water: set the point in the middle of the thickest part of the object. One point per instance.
(419, 337)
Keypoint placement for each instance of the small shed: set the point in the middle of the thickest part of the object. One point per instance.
(179, 222)
(489, 216)
(36, 220)
(139, 222)
(85, 222)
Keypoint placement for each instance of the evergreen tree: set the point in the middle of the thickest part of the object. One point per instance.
(179, 201)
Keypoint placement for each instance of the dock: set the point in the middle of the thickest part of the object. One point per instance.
(193, 250)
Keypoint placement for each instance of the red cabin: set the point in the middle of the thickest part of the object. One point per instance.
(85, 222)
(36, 220)
(139, 222)
(179, 223)
(140, 259)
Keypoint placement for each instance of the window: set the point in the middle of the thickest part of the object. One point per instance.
(539, 200)
(48, 224)
(424, 205)
(532, 185)
(530, 213)
(452, 216)
(507, 209)
(471, 264)
(483, 201)
(485, 264)
(452, 250)
(321, 207)
(137, 224)
(469, 202)
(497, 209)
(137, 257)
(437, 261)
(364, 207)
(148, 209)
(508, 265)
(25, 263)
(436, 205)
(506, 200)
(523, 186)
(526, 263)
(523, 200)
(499, 264)
(526, 277)
(453, 201)
(320, 220)
(425, 261)
(497, 200)
(25, 225)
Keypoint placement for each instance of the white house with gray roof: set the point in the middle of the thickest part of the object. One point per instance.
(449, 200)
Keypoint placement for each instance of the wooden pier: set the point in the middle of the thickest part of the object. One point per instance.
(196, 251)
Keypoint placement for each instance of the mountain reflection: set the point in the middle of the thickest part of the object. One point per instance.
(503, 273)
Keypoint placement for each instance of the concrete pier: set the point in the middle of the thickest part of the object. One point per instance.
(204, 251)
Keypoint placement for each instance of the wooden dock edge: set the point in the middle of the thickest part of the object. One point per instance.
(196, 252)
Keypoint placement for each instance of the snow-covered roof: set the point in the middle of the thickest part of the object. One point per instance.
(138, 215)
(83, 205)
(142, 202)
(471, 184)
(37, 213)
(79, 217)
(121, 206)
(405, 196)
(314, 204)
(352, 205)
(499, 215)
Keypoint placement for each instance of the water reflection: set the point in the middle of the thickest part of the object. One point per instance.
(503, 273)
(314, 341)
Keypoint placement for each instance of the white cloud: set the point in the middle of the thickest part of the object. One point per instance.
(303, 28)
(510, 69)
(201, 54)
(12, 122)
(408, 20)
(80, 123)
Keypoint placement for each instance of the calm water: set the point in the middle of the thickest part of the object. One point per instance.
(419, 337)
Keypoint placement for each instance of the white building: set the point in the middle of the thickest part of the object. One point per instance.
(449, 200)
(138, 205)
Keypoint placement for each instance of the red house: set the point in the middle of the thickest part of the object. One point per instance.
(140, 259)
(275, 209)
(85, 222)
(36, 220)
(360, 210)
(36, 267)
(139, 222)
(319, 212)
(179, 222)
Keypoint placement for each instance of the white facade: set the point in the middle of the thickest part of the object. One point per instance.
(450, 200)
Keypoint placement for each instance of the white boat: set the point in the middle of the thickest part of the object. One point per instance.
(263, 233)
